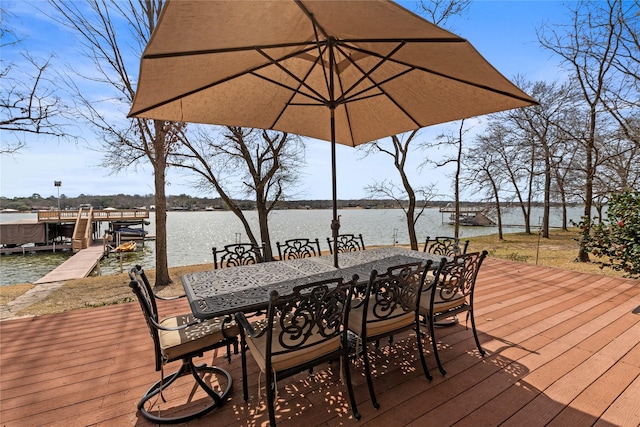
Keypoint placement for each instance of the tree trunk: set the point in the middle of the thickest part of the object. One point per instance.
(547, 194)
(499, 213)
(159, 170)
(413, 238)
(563, 202)
(263, 220)
(456, 231)
(583, 254)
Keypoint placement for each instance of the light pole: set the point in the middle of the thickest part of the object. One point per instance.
(58, 184)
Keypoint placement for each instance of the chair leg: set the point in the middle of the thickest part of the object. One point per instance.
(243, 358)
(186, 368)
(219, 398)
(346, 368)
(367, 371)
(233, 341)
(475, 333)
(421, 350)
(432, 331)
(271, 393)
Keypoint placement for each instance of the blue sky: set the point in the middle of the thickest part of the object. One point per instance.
(504, 32)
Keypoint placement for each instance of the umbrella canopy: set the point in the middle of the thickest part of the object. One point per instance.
(348, 72)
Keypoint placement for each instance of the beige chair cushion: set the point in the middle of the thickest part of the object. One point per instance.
(279, 362)
(176, 344)
(429, 277)
(376, 326)
(440, 305)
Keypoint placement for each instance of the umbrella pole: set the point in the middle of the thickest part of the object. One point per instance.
(335, 222)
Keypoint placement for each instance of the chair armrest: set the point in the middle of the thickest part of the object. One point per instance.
(241, 319)
(174, 328)
(173, 298)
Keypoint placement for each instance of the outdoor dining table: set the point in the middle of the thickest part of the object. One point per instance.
(246, 288)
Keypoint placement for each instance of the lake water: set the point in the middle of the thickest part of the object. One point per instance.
(191, 235)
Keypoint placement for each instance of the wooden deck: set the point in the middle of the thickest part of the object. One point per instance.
(563, 350)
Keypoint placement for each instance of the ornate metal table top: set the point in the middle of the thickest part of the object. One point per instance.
(246, 288)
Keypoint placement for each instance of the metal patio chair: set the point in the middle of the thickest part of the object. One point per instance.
(182, 337)
(347, 243)
(298, 248)
(389, 305)
(445, 246)
(451, 293)
(302, 329)
(449, 247)
(237, 254)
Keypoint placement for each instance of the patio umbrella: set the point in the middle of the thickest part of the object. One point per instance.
(348, 72)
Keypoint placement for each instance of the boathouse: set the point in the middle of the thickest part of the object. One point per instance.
(62, 230)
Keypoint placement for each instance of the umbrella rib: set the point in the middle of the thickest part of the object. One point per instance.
(311, 44)
(376, 85)
(304, 44)
(366, 75)
(437, 73)
(302, 82)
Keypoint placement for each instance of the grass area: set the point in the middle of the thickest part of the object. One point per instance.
(9, 293)
(103, 290)
(560, 251)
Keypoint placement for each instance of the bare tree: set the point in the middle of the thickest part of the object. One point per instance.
(543, 126)
(249, 162)
(29, 103)
(483, 172)
(106, 29)
(399, 152)
(621, 98)
(589, 47)
(515, 152)
(453, 141)
(619, 169)
(564, 174)
(438, 12)
(412, 201)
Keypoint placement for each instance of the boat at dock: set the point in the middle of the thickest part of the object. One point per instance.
(471, 216)
(130, 231)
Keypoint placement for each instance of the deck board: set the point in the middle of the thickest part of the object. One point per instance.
(562, 349)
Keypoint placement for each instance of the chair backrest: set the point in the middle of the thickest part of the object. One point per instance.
(298, 248)
(347, 243)
(446, 246)
(458, 276)
(393, 294)
(237, 254)
(140, 286)
(308, 317)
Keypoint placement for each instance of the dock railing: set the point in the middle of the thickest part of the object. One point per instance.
(85, 218)
(98, 215)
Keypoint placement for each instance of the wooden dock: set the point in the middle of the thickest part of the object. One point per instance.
(40, 248)
(78, 266)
